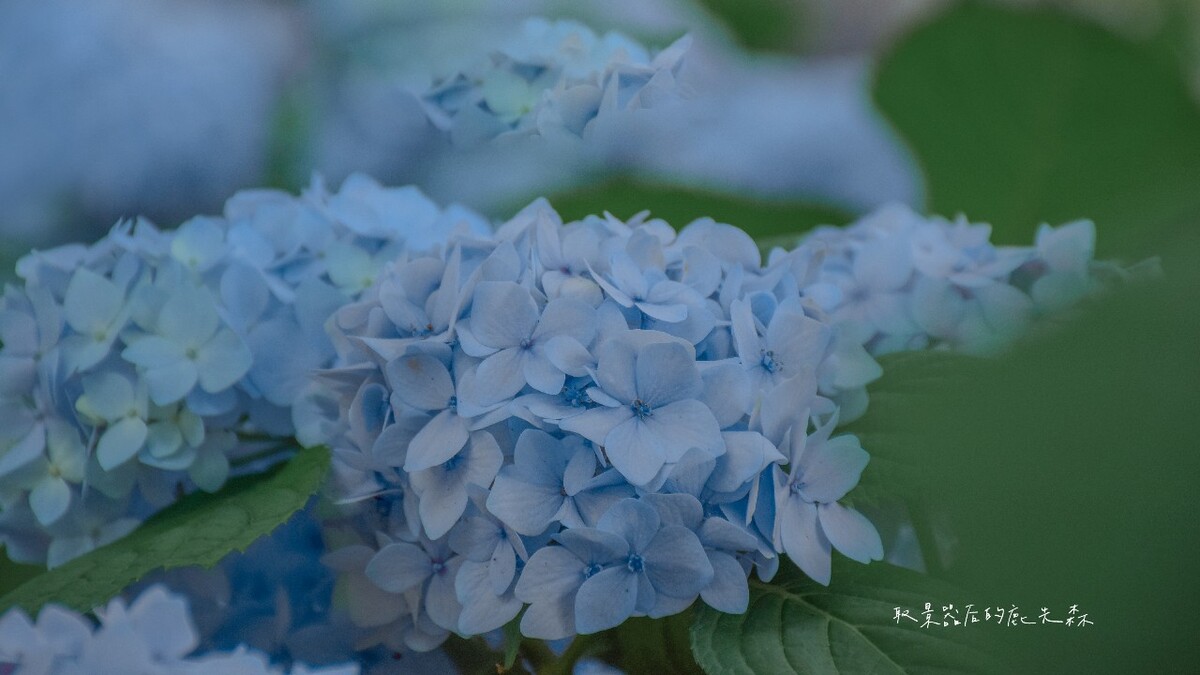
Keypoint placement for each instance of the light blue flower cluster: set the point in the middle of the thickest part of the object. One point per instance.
(152, 634)
(144, 364)
(899, 281)
(591, 419)
(553, 79)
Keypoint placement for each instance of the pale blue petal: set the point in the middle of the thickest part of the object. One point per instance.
(441, 602)
(566, 317)
(595, 424)
(593, 545)
(541, 374)
(501, 375)
(542, 459)
(615, 370)
(683, 425)
(831, 469)
(676, 563)
(673, 313)
(568, 355)
(420, 381)
(747, 453)
(108, 395)
(439, 440)
(171, 382)
(803, 540)
(666, 372)
(633, 447)
(475, 538)
(49, 499)
(721, 534)
(605, 600)
(443, 499)
(552, 572)
(850, 532)
(550, 618)
(189, 316)
(634, 521)
(503, 314)
(579, 471)
(121, 442)
(223, 361)
(482, 610)
(501, 568)
(525, 507)
(152, 351)
(399, 567)
(728, 591)
(679, 509)
(17, 375)
(482, 460)
(91, 302)
(728, 392)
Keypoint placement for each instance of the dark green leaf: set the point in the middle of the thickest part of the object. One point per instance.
(1067, 470)
(762, 219)
(1024, 117)
(200, 529)
(769, 25)
(795, 625)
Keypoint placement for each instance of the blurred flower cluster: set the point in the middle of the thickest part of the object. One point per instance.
(152, 634)
(554, 78)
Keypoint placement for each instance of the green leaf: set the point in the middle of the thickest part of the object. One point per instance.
(762, 219)
(768, 25)
(1024, 117)
(644, 645)
(200, 529)
(795, 625)
(14, 574)
(1067, 470)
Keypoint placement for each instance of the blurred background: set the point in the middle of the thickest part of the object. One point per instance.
(117, 108)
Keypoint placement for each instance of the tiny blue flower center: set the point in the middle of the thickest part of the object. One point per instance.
(452, 404)
(797, 486)
(438, 566)
(769, 363)
(591, 570)
(642, 410)
(635, 563)
(526, 343)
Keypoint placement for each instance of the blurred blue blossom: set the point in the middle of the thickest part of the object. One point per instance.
(153, 633)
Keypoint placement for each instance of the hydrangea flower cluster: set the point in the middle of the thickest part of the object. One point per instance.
(152, 634)
(554, 79)
(591, 419)
(898, 281)
(145, 363)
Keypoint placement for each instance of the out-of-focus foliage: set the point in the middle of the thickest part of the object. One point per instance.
(1026, 116)
(760, 218)
(769, 25)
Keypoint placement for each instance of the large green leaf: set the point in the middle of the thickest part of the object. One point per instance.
(1023, 117)
(762, 219)
(795, 625)
(200, 529)
(1067, 470)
